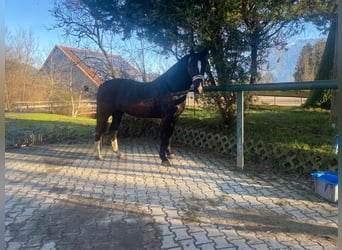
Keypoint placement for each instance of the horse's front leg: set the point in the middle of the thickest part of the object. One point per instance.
(115, 145)
(162, 151)
(167, 127)
(169, 152)
(98, 145)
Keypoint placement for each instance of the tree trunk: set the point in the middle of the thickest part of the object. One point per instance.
(254, 65)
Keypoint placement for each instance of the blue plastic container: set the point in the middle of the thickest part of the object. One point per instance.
(326, 185)
(331, 178)
(336, 145)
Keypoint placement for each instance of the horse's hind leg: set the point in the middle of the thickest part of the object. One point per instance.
(116, 120)
(101, 126)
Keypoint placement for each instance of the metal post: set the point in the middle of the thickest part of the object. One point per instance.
(339, 123)
(240, 162)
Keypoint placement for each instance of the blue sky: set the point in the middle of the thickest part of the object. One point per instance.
(34, 15)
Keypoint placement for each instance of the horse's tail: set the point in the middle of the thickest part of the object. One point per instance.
(101, 115)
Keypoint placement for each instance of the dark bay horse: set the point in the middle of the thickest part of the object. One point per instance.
(162, 98)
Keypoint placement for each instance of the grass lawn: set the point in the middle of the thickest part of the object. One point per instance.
(291, 127)
(288, 126)
(77, 126)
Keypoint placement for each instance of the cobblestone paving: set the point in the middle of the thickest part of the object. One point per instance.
(59, 197)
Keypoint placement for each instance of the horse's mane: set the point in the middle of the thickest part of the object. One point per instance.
(173, 69)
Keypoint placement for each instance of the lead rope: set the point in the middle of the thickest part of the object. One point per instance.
(194, 78)
(194, 104)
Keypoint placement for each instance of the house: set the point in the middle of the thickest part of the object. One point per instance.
(81, 69)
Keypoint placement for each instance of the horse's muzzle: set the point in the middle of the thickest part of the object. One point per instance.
(197, 81)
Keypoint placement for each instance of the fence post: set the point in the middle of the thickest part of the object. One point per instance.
(240, 131)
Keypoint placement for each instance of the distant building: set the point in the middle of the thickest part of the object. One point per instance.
(85, 69)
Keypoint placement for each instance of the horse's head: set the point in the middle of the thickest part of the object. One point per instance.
(196, 68)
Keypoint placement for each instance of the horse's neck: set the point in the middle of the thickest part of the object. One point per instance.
(176, 78)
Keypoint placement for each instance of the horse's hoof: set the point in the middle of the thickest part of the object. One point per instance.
(166, 163)
(99, 157)
(121, 156)
(171, 156)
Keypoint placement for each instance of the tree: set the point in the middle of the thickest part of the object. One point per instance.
(308, 62)
(266, 24)
(62, 87)
(141, 54)
(21, 82)
(325, 18)
(322, 98)
(229, 28)
(75, 19)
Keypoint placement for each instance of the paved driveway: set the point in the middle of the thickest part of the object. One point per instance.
(59, 197)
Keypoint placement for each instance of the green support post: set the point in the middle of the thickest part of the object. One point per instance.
(323, 84)
(240, 88)
(240, 161)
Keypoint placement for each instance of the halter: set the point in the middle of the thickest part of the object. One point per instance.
(197, 77)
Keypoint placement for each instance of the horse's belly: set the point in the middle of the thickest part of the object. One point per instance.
(143, 110)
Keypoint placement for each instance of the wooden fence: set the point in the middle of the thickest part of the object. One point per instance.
(279, 98)
(85, 106)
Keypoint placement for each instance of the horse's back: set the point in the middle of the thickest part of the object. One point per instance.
(114, 85)
(124, 95)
